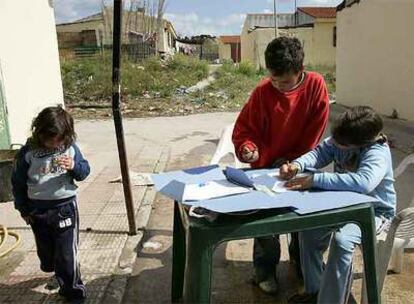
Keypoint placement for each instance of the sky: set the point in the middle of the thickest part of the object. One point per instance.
(194, 17)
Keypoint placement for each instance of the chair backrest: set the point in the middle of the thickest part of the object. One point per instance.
(405, 218)
(225, 147)
(403, 165)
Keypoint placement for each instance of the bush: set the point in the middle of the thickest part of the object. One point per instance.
(246, 68)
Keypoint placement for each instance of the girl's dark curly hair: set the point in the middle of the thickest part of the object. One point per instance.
(53, 122)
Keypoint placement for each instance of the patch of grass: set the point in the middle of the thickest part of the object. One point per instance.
(329, 73)
(87, 79)
(232, 87)
(90, 79)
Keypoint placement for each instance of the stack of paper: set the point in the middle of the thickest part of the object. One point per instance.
(213, 189)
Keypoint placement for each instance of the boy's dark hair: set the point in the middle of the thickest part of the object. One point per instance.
(284, 55)
(358, 126)
(50, 123)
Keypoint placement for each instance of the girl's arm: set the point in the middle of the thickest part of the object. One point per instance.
(81, 167)
(369, 175)
(318, 158)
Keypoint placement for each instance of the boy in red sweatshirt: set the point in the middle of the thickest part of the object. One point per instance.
(284, 118)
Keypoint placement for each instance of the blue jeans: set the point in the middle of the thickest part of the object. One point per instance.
(331, 281)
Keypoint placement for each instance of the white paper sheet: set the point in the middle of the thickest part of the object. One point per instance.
(279, 186)
(212, 189)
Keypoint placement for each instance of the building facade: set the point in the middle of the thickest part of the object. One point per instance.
(30, 78)
(375, 63)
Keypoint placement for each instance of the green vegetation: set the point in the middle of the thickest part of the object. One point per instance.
(232, 87)
(156, 87)
(89, 79)
(329, 73)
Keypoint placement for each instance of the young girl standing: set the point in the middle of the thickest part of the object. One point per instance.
(45, 194)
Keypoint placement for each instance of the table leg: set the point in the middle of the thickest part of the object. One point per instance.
(179, 257)
(197, 282)
(369, 254)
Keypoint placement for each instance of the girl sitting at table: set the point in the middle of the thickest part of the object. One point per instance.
(362, 163)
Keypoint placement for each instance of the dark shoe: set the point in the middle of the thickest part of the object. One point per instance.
(71, 299)
(52, 283)
(308, 298)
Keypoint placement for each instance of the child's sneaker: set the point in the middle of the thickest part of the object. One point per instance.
(52, 283)
(269, 285)
(265, 281)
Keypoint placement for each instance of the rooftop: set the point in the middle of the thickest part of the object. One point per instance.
(230, 39)
(346, 3)
(267, 20)
(319, 12)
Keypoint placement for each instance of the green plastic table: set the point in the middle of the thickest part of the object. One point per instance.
(194, 241)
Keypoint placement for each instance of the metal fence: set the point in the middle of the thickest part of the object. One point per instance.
(139, 51)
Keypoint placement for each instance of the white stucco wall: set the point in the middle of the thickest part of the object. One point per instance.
(224, 52)
(375, 56)
(29, 62)
(317, 42)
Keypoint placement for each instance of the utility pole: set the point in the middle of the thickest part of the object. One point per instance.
(116, 110)
(296, 13)
(275, 17)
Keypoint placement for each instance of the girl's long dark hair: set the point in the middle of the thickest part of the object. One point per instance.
(50, 123)
(358, 126)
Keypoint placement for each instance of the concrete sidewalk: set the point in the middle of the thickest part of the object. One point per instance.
(105, 251)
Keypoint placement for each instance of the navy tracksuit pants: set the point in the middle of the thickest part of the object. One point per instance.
(56, 231)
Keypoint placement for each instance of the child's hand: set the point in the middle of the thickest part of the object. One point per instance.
(250, 156)
(288, 171)
(300, 183)
(66, 162)
(28, 219)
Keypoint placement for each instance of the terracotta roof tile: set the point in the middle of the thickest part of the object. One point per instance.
(230, 39)
(319, 12)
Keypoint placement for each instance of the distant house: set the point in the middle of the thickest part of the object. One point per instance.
(30, 76)
(257, 32)
(96, 30)
(375, 64)
(205, 47)
(313, 26)
(230, 48)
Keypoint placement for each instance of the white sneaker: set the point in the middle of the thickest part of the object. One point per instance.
(269, 285)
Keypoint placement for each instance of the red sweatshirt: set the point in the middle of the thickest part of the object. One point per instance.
(283, 125)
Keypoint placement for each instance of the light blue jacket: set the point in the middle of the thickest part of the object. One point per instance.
(366, 170)
(39, 182)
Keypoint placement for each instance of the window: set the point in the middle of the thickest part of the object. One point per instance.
(334, 36)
